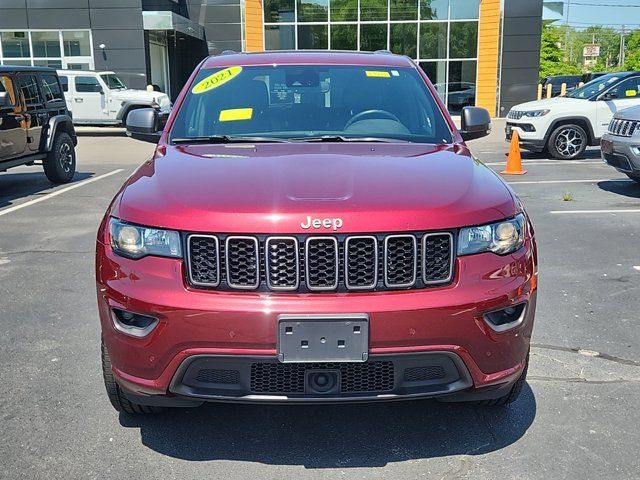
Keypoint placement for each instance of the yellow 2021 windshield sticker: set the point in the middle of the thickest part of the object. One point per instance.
(214, 81)
(235, 114)
(377, 74)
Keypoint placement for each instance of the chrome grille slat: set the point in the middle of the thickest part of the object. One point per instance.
(400, 261)
(437, 258)
(623, 128)
(243, 262)
(282, 263)
(361, 262)
(321, 262)
(203, 260)
(301, 263)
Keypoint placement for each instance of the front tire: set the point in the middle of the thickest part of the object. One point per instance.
(60, 164)
(568, 142)
(117, 399)
(513, 394)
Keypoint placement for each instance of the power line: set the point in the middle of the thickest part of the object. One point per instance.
(602, 5)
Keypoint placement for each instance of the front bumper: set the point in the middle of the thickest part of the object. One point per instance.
(430, 328)
(622, 153)
(534, 141)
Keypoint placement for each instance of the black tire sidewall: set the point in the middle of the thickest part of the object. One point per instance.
(551, 145)
(52, 167)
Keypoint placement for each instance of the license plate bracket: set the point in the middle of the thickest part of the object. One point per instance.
(323, 338)
(607, 146)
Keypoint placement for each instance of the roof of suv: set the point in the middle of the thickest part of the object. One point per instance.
(18, 68)
(308, 57)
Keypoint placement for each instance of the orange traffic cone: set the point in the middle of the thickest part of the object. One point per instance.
(514, 160)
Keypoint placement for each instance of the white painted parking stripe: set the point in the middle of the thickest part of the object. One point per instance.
(629, 210)
(537, 182)
(550, 162)
(58, 192)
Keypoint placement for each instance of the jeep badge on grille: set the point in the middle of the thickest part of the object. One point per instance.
(333, 223)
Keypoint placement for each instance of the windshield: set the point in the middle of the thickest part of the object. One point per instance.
(590, 89)
(112, 81)
(322, 102)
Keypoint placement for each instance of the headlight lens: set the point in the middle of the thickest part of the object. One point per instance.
(502, 238)
(535, 113)
(133, 241)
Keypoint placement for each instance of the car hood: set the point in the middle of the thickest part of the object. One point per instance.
(274, 188)
(140, 95)
(551, 103)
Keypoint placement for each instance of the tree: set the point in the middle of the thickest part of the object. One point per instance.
(552, 60)
(632, 55)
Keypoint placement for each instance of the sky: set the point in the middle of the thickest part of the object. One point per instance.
(598, 12)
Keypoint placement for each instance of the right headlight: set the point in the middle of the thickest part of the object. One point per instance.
(535, 113)
(502, 237)
(135, 241)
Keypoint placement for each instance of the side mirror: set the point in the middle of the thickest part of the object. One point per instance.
(5, 100)
(144, 124)
(610, 95)
(475, 123)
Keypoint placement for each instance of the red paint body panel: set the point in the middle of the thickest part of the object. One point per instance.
(271, 189)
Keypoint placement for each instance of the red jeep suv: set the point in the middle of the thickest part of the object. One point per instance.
(313, 228)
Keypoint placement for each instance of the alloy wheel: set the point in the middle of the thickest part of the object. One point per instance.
(569, 142)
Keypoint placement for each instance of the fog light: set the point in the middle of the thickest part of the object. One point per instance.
(506, 318)
(134, 324)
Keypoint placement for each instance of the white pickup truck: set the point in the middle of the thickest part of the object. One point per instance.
(101, 98)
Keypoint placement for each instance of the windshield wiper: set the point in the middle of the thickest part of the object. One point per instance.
(228, 139)
(343, 138)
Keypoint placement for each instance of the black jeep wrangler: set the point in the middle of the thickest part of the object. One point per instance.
(35, 124)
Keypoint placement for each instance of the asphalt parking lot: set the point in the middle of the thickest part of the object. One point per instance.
(578, 416)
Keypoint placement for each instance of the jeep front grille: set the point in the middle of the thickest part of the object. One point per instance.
(300, 263)
(623, 128)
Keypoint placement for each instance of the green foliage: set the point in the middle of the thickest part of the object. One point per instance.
(551, 55)
(562, 48)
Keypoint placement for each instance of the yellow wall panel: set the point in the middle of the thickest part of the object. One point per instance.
(253, 28)
(488, 53)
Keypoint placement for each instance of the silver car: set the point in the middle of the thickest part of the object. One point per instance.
(621, 144)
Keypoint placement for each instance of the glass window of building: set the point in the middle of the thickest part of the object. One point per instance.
(76, 44)
(15, 44)
(46, 44)
(279, 11)
(374, 10)
(404, 9)
(50, 88)
(373, 36)
(343, 10)
(279, 37)
(463, 40)
(464, 9)
(344, 37)
(313, 37)
(434, 9)
(313, 10)
(68, 49)
(440, 35)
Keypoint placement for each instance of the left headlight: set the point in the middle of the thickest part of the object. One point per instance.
(134, 241)
(502, 237)
(535, 113)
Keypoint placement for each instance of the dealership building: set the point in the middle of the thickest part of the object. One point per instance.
(482, 52)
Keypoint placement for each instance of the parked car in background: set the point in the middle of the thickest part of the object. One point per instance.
(102, 98)
(587, 77)
(621, 143)
(35, 125)
(571, 81)
(565, 126)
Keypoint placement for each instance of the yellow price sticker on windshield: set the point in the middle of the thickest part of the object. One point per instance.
(216, 80)
(631, 93)
(377, 74)
(235, 114)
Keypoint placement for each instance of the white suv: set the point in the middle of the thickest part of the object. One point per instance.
(101, 98)
(565, 126)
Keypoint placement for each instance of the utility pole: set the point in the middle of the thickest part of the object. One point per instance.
(566, 34)
(623, 48)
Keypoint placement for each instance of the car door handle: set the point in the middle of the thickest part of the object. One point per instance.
(78, 100)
